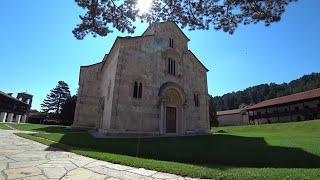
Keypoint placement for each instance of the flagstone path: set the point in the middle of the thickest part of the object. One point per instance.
(24, 159)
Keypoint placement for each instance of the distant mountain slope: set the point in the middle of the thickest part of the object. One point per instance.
(256, 94)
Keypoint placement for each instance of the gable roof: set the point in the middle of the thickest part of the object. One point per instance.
(134, 37)
(91, 65)
(172, 22)
(307, 95)
(105, 58)
(198, 61)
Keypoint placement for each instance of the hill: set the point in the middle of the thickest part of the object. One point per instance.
(256, 94)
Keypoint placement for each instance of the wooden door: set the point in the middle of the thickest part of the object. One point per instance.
(171, 120)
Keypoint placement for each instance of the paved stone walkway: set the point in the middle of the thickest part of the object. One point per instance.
(24, 159)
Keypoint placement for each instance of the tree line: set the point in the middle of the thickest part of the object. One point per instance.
(259, 93)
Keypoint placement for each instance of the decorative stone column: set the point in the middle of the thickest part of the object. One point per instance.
(18, 118)
(23, 118)
(162, 118)
(3, 117)
(10, 117)
(183, 121)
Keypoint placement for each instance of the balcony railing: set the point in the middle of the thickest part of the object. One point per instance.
(305, 111)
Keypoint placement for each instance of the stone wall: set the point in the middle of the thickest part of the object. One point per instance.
(136, 62)
(144, 59)
(195, 81)
(108, 83)
(233, 120)
(88, 110)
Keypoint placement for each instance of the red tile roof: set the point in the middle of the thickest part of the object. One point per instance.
(229, 112)
(312, 94)
(11, 97)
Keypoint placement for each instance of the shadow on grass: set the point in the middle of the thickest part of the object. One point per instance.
(222, 132)
(208, 151)
(54, 129)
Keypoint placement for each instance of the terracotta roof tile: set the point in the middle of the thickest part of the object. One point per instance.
(229, 112)
(312, 94)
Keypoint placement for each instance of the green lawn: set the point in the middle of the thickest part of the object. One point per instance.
(3, 126)
(40, 128)
(277, 151)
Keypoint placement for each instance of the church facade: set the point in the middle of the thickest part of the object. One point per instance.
(150, 84)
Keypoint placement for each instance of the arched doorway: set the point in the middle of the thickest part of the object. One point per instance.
(172, 100)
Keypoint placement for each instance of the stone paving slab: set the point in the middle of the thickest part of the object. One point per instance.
(82, 173)
(143, 172)
(23, 159)
(22, 172)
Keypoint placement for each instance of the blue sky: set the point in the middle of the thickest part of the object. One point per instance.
(37, 48)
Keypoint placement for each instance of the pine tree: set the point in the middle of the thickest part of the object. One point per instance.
(56, 98)
(213, 113)
(103, 17)
(68, 110)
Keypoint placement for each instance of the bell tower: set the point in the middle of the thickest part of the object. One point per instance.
(25, 97)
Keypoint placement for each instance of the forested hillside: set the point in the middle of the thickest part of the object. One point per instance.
(263, 92)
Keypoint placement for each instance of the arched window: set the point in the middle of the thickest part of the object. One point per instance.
(196, 100)
(171, 66)
(102, 101)
(140, 91)
(171, 43)
(137, 90)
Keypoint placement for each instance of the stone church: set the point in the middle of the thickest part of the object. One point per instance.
(150, 85)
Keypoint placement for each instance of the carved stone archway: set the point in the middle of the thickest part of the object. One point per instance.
(172, 97)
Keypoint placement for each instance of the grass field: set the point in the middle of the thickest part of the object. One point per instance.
(3, 126)
(40, 128)
(277, 151)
